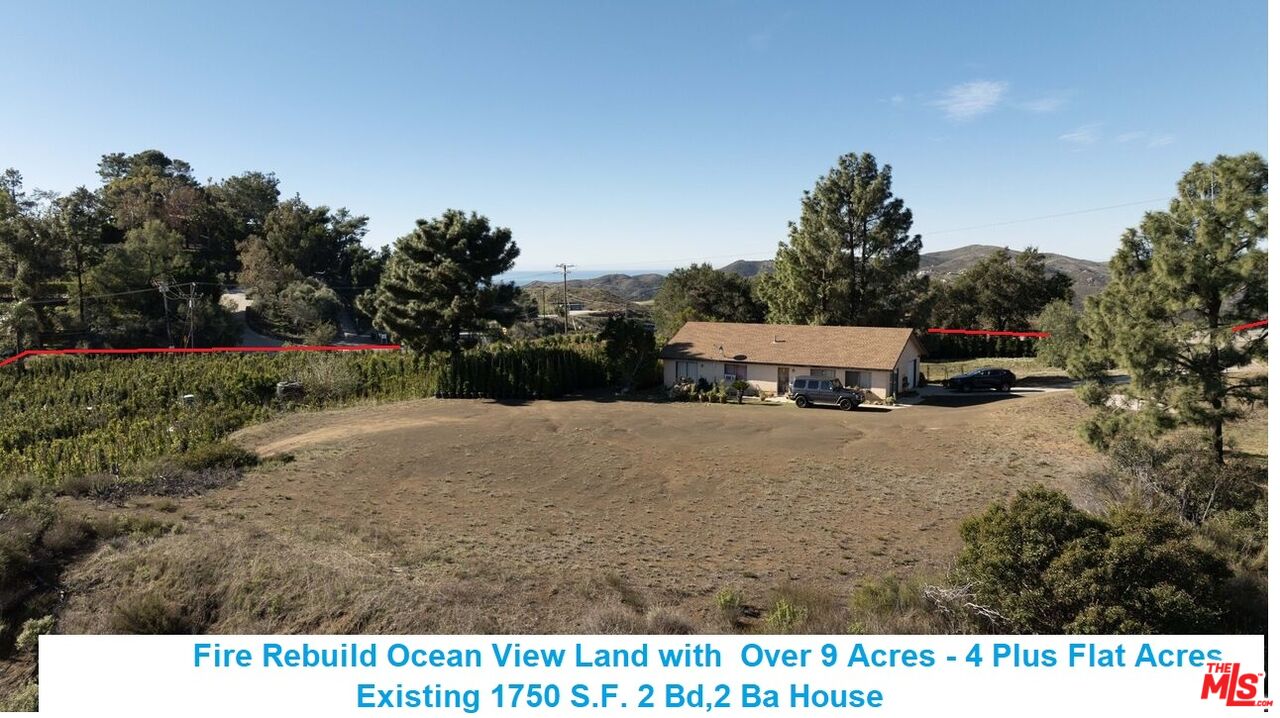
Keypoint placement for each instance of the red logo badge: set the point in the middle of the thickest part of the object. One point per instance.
(1226, 682)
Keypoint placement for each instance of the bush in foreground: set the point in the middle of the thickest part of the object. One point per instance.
(1043, 566)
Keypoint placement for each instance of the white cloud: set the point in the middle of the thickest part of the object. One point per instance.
(1041, 105)
(897, 100)
(1082, 135)
(971, 99)
(1153, 139)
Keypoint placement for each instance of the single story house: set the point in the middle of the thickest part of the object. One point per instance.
(882, 360)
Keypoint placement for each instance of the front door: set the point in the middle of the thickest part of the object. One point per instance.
(784, 379)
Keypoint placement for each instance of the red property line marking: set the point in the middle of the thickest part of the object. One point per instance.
(1250, 325)
(1042, 335)
(203, 350)
(989, 333)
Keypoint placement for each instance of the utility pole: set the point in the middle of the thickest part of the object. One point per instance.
(163, 286)
(565, 269)
(191, 317)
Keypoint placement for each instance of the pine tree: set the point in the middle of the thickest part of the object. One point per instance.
(1179, 283)
(439, 283)
(851, 259)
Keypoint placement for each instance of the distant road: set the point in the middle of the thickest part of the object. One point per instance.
(234, 299)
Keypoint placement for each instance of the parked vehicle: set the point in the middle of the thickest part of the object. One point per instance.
(810, 390)
(985, 378)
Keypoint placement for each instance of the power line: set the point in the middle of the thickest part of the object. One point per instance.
(1048, 216)
(772, 251)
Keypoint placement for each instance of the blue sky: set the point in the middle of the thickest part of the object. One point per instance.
(647, 135)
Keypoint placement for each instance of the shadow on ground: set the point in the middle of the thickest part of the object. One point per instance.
(959, 399)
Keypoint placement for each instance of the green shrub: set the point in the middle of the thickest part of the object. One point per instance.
(85, 484)
(893, 605)
(327, 379)
(729, 603)
(79, 416)
(218, 455)
(1044, 566)
(32, 629)
(66, 534)
(1177, 474)
(785, 616)
(24, 699)
(152, 614)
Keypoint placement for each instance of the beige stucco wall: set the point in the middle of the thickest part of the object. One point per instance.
(907, 369)
(764, 377)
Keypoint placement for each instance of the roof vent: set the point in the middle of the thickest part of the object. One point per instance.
(776, 340)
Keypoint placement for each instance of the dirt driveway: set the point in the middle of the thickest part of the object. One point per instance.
(680, 500)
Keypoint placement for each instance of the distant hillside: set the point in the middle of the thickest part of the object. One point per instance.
(635, 288)
(1088, 277)
(749, 267)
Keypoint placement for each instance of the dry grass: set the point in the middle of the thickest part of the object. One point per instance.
(1249, 435)
(461, 517)
(1021, 366)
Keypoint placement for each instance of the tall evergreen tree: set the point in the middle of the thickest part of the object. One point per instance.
(852, 258)
(1179, 283)
(439, 283)
(80, 219)
(30, 262)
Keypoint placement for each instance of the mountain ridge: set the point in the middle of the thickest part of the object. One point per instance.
(1088, 277)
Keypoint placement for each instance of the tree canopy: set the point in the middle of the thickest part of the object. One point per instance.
(1044, 566)
(1002, 291)
(1181, 280)
(438, 285)
(698, 293)
(851, 259)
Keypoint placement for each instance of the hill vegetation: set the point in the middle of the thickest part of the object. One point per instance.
(1087, 277)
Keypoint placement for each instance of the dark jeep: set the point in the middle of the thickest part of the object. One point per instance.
(810, 390)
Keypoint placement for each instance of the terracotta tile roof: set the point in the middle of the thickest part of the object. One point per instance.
(790, 344)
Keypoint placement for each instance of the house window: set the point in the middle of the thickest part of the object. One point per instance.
(686, 370)
(737, 371)
(823, 373)
(856, 378)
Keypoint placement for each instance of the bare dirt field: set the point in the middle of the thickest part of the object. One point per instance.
(682, 497)
(440, 515)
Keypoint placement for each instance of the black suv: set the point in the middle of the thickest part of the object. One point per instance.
(988, 378)
(809, 390)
